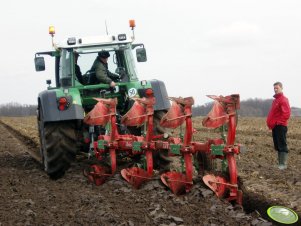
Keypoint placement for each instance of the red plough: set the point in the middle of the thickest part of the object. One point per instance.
(223, 114)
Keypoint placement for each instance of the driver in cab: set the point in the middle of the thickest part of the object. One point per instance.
(100, 66)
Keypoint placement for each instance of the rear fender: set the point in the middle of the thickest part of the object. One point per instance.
(48, 102)
(162, 102)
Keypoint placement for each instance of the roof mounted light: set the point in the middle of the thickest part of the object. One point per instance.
(132, 24)
(71, 41)
(51, 30)
(121, 37)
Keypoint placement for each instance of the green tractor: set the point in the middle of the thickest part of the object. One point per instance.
(63, 106)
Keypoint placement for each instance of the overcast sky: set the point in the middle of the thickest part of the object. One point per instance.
(196, 47)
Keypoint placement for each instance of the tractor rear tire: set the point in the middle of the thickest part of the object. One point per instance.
(158, 129)
(161, 159)
(205, 162)
(58, 147)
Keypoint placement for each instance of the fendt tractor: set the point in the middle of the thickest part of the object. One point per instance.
(134, 120)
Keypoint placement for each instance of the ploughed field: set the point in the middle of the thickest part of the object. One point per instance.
(29, 197)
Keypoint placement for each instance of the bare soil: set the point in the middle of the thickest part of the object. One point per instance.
(29, 197)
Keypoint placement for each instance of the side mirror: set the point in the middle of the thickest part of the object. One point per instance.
(39, 63)
(141, 55)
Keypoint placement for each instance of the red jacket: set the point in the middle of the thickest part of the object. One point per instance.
(280, 111)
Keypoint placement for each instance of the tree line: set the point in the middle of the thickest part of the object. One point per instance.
(248, 108)
(16, 109)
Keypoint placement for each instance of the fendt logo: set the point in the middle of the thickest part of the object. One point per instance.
(132, 92)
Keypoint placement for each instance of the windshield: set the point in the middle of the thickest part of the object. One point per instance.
(120, 58)
(85, 62)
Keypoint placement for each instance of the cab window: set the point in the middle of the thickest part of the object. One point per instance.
(65, 73)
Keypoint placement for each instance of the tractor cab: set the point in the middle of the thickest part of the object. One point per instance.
(74, 58)
(83, 52)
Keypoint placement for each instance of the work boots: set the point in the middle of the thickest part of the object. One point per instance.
(282, 160)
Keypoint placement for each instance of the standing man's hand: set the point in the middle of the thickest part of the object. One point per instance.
(112, 84)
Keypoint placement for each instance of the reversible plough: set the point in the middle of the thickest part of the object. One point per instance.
(223, 150)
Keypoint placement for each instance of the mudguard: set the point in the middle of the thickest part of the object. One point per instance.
(162, 102)
(48, 102)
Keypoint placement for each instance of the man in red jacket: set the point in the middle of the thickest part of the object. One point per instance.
(277, 121)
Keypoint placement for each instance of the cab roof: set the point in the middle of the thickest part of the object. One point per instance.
(75, 42)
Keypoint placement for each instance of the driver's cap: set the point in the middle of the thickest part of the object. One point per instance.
(104, 54)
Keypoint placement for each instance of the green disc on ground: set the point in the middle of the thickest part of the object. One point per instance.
(282, 214)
